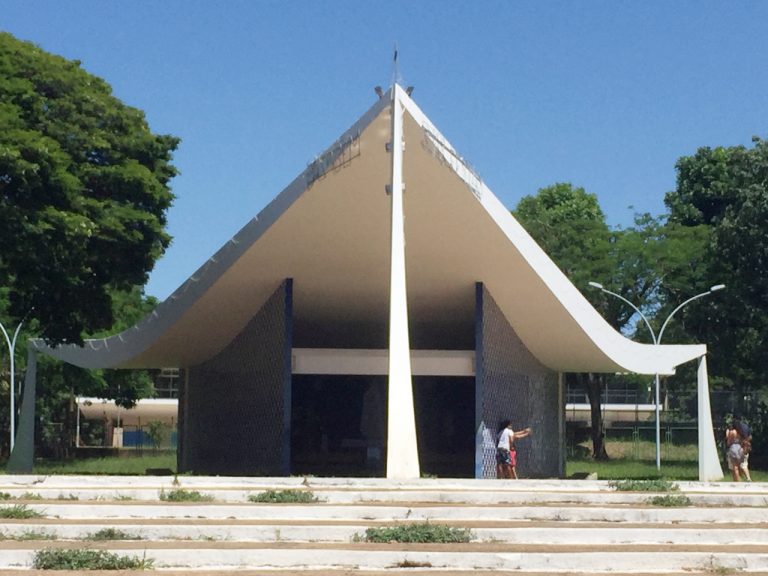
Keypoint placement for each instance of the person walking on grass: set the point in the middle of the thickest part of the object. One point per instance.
(506, 455)
(734, 453)
(745, 439)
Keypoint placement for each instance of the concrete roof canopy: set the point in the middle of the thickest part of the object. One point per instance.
(329, 230)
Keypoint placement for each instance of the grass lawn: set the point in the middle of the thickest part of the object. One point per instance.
(624, 464)
(677, 463)
(111, 465)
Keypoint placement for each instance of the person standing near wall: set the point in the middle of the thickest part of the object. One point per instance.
(506, 455)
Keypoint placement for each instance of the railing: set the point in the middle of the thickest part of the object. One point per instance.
(637, 440)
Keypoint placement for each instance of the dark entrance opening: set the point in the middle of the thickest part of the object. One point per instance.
(338, 425)
(445, 425)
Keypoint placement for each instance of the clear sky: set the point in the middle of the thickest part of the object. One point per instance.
(603, 94)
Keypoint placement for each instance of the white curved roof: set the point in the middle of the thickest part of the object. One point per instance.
(329, 231)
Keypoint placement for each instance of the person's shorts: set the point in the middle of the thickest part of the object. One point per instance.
(735, 456)
(505, 457)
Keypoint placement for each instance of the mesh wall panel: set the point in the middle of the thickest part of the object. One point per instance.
(237, 405)
(512, 384)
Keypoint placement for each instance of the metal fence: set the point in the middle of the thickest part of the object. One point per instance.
(637, 441)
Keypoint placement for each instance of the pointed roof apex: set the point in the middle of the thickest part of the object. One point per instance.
(381, 94)
(329, 231)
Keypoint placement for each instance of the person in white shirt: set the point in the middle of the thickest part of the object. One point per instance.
(506, 455)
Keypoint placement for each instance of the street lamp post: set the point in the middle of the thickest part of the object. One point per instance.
(657, 342)
(11, 342)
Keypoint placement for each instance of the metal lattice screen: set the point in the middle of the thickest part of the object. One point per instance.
(235, 403)
(514, 385)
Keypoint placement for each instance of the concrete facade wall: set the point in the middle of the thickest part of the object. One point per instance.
(235, 407)
(512, 384)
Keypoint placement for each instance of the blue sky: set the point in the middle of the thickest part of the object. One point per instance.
(604, 94)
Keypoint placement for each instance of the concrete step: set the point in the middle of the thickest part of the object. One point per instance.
(437, 497)
(745, 535)
(396, 513)
(570, 562)
(341, 491)
(522, 527)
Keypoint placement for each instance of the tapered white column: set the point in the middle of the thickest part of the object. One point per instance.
(402, 450)
(709, 461)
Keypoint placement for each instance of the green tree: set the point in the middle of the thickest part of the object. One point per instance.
(84, 191)
(59, 383)
(634, 262)
(570, 226)
(724, 191)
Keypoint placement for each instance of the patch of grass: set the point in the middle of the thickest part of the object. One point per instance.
(19, 512)
(30, 496)
(69, 496)
(111, 534)
(86, 559)
(622, 469)
(670, 500)
(208, 538)
(5, 496)
(625, 468)
(421, 533)
(29, 535)
(658, 485)
(284, 497)
(110, 465)
(182, 495)
(412, 564)
(716, 569)
(35, 535)
(123, 498)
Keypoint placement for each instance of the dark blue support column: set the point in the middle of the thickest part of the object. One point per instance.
(479, 388)
(23, 456)
(288, 375)
(182, 433)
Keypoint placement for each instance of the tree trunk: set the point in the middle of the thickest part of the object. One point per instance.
(593, 384)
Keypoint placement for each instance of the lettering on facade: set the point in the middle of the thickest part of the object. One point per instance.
(346, 149)
(448, 157)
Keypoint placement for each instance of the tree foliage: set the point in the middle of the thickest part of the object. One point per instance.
(635, 262)
(84, 190)
(724, 191)
(59, 382)
(569, 225)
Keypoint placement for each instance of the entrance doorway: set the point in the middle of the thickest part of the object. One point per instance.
(338, 425)
(445, 425)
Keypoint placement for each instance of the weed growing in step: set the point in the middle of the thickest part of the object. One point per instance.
(412, 564)
(182, 495)
(19, 512)
(657, 485)
(34, 535)
(420, 533)
(284, 497)
(30, 496)
(670, 500)
(86, 559)
(111, 534)
(5, 496)
(69, 496)
(715, 568)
